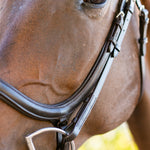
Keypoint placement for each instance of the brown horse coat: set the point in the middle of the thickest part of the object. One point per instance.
(46, 50)
(140, 119)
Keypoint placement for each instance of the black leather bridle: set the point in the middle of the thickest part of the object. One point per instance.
(85, 97)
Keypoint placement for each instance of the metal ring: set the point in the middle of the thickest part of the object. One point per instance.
(48, 129)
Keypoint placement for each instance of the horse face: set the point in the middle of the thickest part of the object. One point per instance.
(51, 45)
(47, 49)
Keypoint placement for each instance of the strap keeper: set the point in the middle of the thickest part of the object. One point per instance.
(130, 8)
(119, 21)
(112, 40)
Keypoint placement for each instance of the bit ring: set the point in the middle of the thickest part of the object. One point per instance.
(43, 130)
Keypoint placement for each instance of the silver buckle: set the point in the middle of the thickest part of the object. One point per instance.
(48, 129)
(121, 13)
(142, 7)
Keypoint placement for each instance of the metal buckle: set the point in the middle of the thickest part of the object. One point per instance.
(142, 7)
(121, 13)
(48, 129)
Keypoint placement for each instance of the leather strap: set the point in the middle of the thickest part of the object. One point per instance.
(143, 21)
(112, 46)
(115, 38)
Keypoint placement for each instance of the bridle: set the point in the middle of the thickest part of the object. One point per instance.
(85, 97)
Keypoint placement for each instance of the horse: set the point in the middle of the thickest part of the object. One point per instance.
(47, 49)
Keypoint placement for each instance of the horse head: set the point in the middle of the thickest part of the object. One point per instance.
(47, 49)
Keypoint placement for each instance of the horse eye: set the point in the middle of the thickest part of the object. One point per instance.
(95, 3)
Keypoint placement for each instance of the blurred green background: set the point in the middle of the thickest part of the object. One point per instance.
(117, 139)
